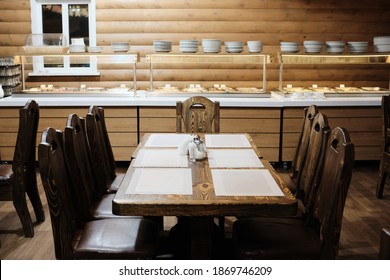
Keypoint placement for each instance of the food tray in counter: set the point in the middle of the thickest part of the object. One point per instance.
(300, 92)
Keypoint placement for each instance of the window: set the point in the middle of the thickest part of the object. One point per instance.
(74, 19)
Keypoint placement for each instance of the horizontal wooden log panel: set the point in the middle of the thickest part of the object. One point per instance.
(157, 112)
(266, 140)
(9, 112)
(211, 26)
(9, 125)
(357, 138)
(157, 125)
(123, 139)
(7, 139)
(7, 153)
(361, 153)
(238, 4)
(121, 112)
(15, 27)
(123, 153)
(342, 112)
(270, 40)
(351, 124)
(14, 5)
(45, 112)
(15, 15)
(246, 113)
(240, 14)
(250, 125)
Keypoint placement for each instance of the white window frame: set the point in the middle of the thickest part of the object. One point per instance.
(39, 68)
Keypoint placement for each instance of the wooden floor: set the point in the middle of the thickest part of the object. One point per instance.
(364, 217)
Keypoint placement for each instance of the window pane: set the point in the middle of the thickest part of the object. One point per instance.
(78, 22)
(52, 18)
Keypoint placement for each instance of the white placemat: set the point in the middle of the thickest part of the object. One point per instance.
(160, 158)
(233, 158)
(227, 141)
(161, 181)
(166, 139)
(244, 182)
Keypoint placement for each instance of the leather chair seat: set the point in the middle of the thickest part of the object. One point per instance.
(103, 209)
(114, 186)
(118, 239)
(267, 238)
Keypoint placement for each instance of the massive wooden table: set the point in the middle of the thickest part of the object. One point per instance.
(201, 204)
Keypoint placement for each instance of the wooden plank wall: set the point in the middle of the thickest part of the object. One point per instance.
(270, 21)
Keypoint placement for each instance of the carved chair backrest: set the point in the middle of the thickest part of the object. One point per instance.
(23, 164)
(315, 157)
(303, 142)
(57, 186)
(385, 122)
(78, 157)
(332, 190)
(197, 114)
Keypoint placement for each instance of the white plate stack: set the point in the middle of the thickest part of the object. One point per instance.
(357, 47)
(188, 46)
(382, 44)
(77, 45)
(289, 47)
(211, 45)
(255, 46)
(313, 46)
(162, 46)
(335, 46)
(234, 47)
(120, 46)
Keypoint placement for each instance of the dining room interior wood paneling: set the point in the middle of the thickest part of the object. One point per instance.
(233, 20)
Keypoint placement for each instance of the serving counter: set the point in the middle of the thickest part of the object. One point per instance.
(274, 122)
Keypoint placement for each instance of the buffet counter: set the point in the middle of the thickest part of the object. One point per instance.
(274, 122)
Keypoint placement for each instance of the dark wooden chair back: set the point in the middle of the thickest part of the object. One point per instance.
(384, 167)
(384, 244)
(303, 142)
(197, 114)
(314, 160)
(99, 142)
(57, 186)
(332, 190)
(21, 176)
(78, 156)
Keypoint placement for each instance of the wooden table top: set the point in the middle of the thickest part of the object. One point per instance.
(203, 201)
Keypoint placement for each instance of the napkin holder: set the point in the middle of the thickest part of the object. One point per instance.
(194, 147)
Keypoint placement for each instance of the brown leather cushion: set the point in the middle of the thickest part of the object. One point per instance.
(268, 238)
(5, 172)
(115, 184)
(118, 239)
(103, 209)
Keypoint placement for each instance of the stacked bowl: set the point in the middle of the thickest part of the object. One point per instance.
(335, 46)
(357, 47)
(188, 46)
(211, 45)
(255, 46)
(162, 46)
(382, 44)
(234, 47)
(289, 47)
(120, 46)
(313, 46)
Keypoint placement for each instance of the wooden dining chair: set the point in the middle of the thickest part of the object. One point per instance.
(298, 162)
(90, 193)
(100, 145)
(306, 186)
(20, 176)
(384, 167)
(197, 114)
(97, 239)
(315, 237)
